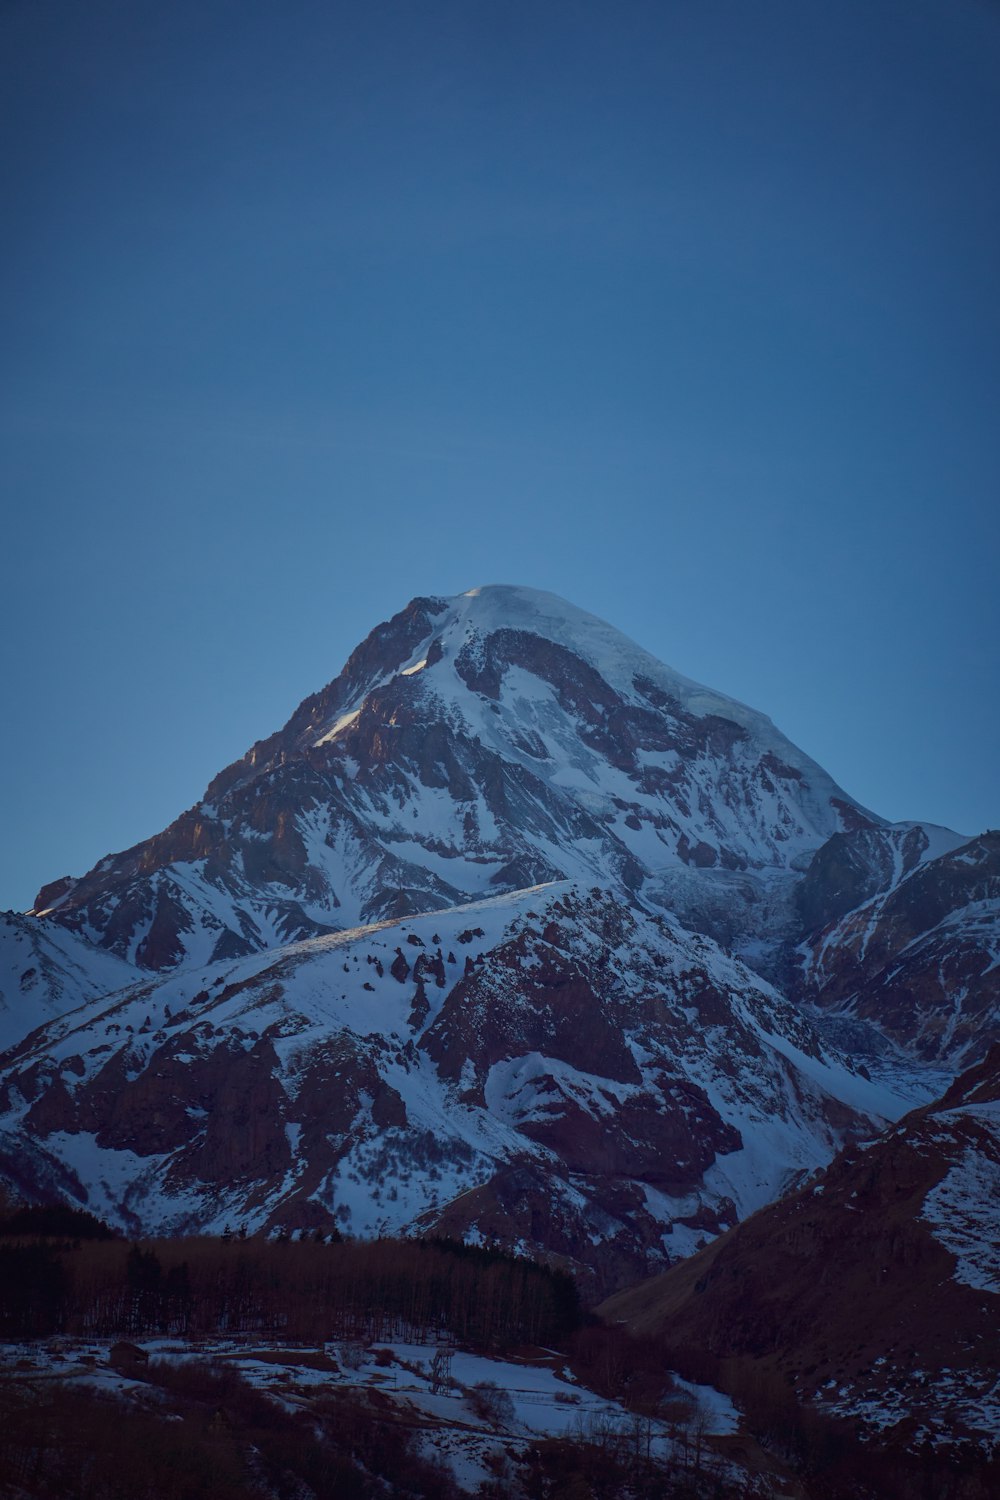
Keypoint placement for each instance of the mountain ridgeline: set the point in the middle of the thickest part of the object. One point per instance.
(470, 746)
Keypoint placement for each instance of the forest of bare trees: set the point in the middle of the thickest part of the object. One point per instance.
(297, 1289)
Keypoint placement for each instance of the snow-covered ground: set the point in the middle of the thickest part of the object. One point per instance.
(46, 971)
(434, 1388)
(941, 1405)
(963, 1210)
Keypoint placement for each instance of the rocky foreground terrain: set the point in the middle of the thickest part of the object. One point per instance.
(871, 1293)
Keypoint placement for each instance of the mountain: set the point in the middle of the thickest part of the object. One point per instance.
(871, 1294)
(510, 931)
(469, 746)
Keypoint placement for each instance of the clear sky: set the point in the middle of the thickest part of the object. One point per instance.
(684, 310)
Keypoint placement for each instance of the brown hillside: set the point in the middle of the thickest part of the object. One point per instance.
(846, 1293)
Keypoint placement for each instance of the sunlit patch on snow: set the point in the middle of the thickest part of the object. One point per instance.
(344, 722)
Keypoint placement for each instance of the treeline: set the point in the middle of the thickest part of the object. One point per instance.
(54, 1221)
(381, 1290)
(619, 1466)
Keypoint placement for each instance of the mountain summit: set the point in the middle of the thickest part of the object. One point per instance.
(469, 746)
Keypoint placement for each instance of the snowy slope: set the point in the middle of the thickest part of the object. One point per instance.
(546, 1400)
(548, 1067)
(46, 970)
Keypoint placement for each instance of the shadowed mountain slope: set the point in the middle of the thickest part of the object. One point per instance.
(872, 1293)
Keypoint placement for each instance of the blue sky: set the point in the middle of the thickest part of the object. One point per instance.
(685, 311)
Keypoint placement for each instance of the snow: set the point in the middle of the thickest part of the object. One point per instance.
(111, 1177)
(945, 1403)
(546, 1400)
(764, 818)
(940, 840)
(568, 806)
(513, 1077)
(963, 1210)
(714, 1408)
(344, 722)
(46, 971)
(870, 1097)
(616, 658)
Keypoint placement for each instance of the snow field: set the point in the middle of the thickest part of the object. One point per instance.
(545, 1401)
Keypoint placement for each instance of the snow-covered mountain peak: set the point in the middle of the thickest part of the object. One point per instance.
(478, 636)
(474, 744)
(481, 612)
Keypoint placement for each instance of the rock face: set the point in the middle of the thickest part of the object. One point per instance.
(918, 954)
(510, 931)
(873, 1291)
